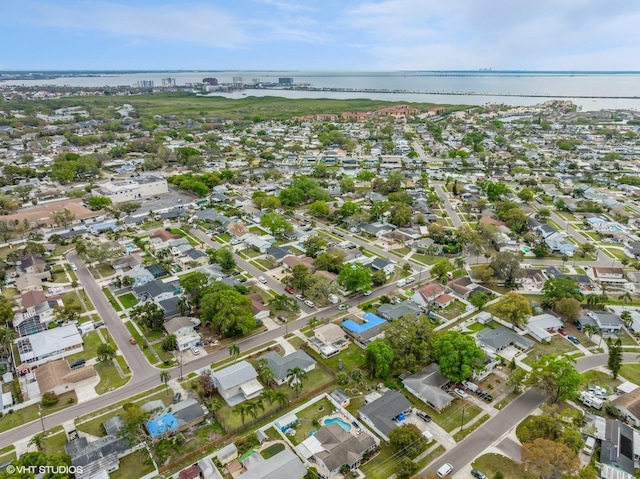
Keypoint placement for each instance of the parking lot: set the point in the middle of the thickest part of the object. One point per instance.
(164, 202)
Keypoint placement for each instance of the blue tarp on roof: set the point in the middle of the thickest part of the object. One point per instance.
(162, 424)
(371, 319)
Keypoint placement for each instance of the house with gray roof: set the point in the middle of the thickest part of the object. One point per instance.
(280, 365)
(495, 340)
(427, 386)
(155, 290)
(395, 311)
(331, 448)
(237, 383)
(95, 457)
(605, 321)
(284, 465)
(385, 413)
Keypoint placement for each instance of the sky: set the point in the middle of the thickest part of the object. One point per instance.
(592, 35)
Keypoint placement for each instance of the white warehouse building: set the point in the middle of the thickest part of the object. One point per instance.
(132, 189)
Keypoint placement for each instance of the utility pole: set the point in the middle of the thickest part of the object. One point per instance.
(41, 418)
(462, 420)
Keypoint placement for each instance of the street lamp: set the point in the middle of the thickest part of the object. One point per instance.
(41, 419)
(180, 378)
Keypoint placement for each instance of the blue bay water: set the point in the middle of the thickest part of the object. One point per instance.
(474, 88)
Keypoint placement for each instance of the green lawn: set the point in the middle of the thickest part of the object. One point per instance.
(272, 450)
(30, 413)
(492, 463)
(105, 269)
(128, 300)
(91, 343)
(142, 344)
(460, 435)
(450, 418)
(631, 372)
(427, 259)
(309, 418)
(557, 346)
(265, 264)
(476, 326)
(599, 378)
(109, 378)
(352, 358)
(54, 444)
(454, 310)
(223, 238)
(112, 300)
(136, 464)
(401, 251)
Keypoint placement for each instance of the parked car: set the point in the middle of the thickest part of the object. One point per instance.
(367, 293)
(299, 297)
(132, 340)
(195, 350)
(262, 279)
(461, 393)
(177, 397)
(563, 332)
(343, 307)
(445, 470)
(478, 474)
(573, 339)
(309, 303)
(289, 289)
(423, 415)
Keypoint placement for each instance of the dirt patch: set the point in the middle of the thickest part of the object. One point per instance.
(41, 214)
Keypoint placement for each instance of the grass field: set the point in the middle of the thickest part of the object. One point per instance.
(492, 463)
(91, 343)
(631, 372)
(136, 464)
(558, 345)
(30, 413)
(188, 105)
(128, 300)
(109, 378)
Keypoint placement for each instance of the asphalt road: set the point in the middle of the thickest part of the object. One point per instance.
(475, 443)
(483, 437)
(453, 214)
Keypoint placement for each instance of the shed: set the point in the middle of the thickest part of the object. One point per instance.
(227, 454)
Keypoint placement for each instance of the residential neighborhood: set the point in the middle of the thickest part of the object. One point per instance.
(376, 293)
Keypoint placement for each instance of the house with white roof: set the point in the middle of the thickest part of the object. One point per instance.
(541, 326)
(51, 344)
(183, 329)
(237, 383)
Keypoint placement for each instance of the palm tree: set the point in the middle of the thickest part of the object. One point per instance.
(626, 318)
(459, 262)
(37, 440)
(295, 378)
(184, 306)
(165, 376)
(281, 398)
(626, 298)
(253, 407)
(313, 322)
(234, 350)
(265, 373)
(241, 410)
(267, 395)
(7, 335)
(590, 329)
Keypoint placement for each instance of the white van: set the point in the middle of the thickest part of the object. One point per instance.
(444, 470)
(401, 283)
(589, 444)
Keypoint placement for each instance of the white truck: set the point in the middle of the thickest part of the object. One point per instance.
(401, 283)
(589, 444)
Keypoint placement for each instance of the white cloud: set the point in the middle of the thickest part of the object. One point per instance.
(502, 34)
(194, 23)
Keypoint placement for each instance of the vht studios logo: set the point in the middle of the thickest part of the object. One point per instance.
(68, 470)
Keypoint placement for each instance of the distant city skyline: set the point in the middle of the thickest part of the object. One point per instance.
(550, 35)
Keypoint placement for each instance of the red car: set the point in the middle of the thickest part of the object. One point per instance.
(563, 332)
(289, 290)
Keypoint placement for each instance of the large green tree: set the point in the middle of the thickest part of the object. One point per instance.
(614, 363)
(407, 440)
(224, 308)
(99, 202)
(148, 315)
(314, 244)
(194, 285)
(506, 265)
(514, 308)
(556, 376)
(355, 277)
(458, 355)
(275, 223)
(410, 339)
(555, 289)
(378, 357)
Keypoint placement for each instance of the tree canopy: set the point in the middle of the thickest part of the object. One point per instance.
(556, 376)
(224, 308)
(378, 358)
(514, 308)
(355, 277)
(458, 355)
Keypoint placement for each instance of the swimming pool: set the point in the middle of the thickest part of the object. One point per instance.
(525, 249)
(344, 425)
